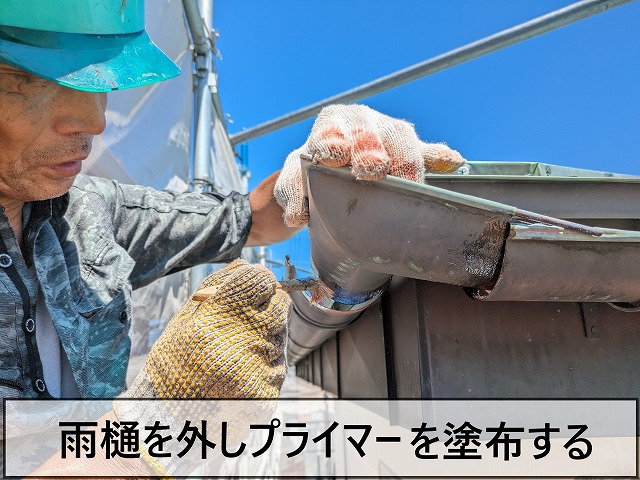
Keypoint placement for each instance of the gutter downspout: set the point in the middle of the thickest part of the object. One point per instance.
(358, 243)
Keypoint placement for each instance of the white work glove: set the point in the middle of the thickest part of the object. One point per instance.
(373, 144)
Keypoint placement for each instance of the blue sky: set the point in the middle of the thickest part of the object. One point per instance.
(570, 97)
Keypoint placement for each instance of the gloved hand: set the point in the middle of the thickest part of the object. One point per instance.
(374, 144)
(226, 342)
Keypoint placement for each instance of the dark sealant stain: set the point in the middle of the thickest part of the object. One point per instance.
(351, 205)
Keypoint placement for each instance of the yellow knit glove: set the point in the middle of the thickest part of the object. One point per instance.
(229, 344)
(226, 342)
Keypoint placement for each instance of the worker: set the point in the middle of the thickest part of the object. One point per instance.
(72, 247)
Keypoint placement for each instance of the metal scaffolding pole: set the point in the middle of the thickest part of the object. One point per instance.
(201, 44)
(199, 15)
(525, 31)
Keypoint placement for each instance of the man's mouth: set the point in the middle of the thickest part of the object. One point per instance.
(67, 169)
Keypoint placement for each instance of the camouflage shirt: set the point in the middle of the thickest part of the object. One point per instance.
(90, 248)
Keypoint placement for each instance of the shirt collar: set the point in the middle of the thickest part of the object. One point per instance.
(40, 211)
(59, 205)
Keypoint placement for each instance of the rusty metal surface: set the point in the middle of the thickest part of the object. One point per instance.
(543, 263)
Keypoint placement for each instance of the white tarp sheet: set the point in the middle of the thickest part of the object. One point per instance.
(147, 141)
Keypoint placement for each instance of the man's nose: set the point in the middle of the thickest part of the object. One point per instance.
(81, 112)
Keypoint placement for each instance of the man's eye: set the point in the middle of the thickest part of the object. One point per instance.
(22, 78)
(28, 78)
(13, 81)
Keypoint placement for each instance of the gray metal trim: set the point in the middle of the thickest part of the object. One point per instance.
(568, 198)
(533, 169)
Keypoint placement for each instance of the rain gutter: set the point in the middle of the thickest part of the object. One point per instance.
(362, 233)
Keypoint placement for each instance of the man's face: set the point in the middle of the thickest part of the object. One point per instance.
(46, 130)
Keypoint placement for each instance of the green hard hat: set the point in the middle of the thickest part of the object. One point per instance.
(96, 46)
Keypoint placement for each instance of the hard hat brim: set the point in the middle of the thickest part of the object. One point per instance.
(93, 63)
